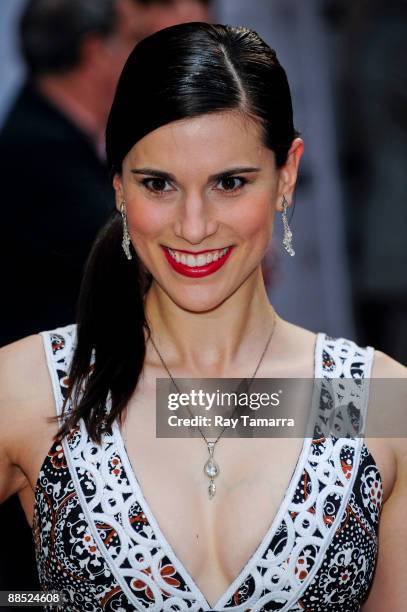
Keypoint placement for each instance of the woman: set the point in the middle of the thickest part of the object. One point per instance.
(203, 152)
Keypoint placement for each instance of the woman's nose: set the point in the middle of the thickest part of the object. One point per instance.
(195, 221)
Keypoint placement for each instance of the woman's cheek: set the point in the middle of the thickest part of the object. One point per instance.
(146, 222)
(258, 219)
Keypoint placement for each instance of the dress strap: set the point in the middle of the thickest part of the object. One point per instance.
(344, 371)
(59, 345)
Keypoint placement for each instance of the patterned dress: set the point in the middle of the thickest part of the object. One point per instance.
(98, 542)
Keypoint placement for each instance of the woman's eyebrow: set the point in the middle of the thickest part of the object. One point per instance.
(232, 171)
(155, 173)
(170, 177)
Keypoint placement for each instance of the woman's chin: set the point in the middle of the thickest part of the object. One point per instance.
(198, 299)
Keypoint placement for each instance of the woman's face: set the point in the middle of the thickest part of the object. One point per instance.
(194, 188)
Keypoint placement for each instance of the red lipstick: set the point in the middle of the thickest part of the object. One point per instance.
(197, 271)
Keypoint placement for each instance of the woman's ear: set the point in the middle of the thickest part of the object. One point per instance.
(118, 188)
(289, 172)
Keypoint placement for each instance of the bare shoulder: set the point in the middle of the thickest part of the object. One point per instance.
(385, 366)
(23, 373)
(389, 382)
(25, 392)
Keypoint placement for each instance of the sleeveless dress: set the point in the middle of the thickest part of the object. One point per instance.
(98, 542)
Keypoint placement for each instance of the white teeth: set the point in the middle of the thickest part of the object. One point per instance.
(191, 261)
(200, 260)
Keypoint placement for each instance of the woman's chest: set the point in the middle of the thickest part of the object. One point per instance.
(94, 524)
(140, 522)
(213, 536)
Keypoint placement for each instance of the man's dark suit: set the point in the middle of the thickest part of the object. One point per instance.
(55, 196)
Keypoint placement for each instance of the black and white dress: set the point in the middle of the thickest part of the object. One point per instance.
(97, 540)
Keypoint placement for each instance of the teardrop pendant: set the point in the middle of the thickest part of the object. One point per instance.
(211, 469)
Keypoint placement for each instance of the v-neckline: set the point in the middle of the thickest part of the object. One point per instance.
(164, 544)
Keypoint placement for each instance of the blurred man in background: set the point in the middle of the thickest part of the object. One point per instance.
(56, 193)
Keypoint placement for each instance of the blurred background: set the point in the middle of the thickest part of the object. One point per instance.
(346, 65)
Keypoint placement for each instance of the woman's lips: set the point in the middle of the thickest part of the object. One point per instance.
(197, 271)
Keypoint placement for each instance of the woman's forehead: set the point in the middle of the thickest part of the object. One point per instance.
(223, 136)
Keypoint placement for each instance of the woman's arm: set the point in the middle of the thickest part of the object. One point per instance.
(18, 385)
(389, 588)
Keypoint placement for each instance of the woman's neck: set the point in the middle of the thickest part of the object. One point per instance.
(214, 342)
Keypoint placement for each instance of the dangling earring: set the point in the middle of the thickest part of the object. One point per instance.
(288, 235)
(126, 235)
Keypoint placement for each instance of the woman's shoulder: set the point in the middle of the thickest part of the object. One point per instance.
(26, 391)
(384, 366)
(301, 339)
(23, 363)
(20, 365)
(321, 353)
(389, 405)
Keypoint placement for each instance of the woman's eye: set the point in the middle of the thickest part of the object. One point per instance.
(157, 185)
(232, 183)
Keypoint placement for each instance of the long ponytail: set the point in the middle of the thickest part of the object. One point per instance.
(111, 342)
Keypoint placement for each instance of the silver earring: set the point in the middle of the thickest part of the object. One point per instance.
(126, 235)
(288, 235)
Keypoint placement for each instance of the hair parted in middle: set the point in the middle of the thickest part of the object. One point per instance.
(196, 68)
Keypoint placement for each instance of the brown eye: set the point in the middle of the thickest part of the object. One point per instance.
(156, 185)
(232, 183)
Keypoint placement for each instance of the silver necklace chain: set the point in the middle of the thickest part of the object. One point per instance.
(211, 467)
